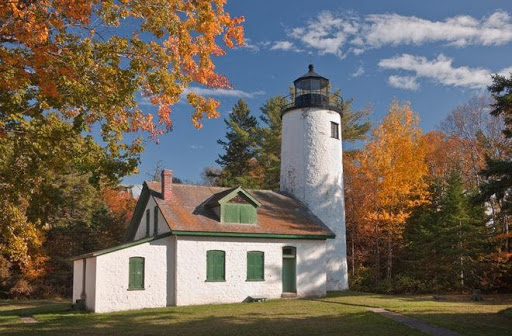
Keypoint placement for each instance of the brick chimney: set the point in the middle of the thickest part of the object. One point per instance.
(166, 184)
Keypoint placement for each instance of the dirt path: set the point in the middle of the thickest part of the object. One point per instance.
(28, 319)
(414, 323)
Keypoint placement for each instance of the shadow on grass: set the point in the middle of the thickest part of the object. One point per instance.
(44, 309)
(302, 318)
(279, 317)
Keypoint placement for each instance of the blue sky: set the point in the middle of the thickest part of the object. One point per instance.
(434, 54)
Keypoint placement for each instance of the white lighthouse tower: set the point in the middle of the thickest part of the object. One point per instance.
(311, 163)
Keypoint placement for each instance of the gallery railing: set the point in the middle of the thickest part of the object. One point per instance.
(313, 99)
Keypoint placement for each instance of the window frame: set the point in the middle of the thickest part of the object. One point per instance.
(213, 273)
(132, 283)
(251, 276)
(335, 130)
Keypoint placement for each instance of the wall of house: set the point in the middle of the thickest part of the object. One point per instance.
(162, 225)
(192, 288)
(77, 279)
(112, 293)
(90, 282)
(312, 171)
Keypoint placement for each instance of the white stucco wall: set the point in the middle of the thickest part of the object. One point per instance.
(312, 171)
(192, 287)
(162, 225)
(112, 293)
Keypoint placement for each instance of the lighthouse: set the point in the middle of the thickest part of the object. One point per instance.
(311, 163)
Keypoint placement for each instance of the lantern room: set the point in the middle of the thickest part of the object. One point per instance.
(312, 90)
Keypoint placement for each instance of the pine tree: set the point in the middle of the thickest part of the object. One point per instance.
(239, 146)
(498, 187)
(446, 238)
(269, 147)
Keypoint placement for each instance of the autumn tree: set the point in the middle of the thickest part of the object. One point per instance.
(67, 70)
(478, 135)
(358, 199)
(38, 182)
(91, 59)
(393, 162)
(239, 147)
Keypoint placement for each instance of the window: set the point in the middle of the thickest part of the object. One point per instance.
(136, 273)
(155, 221)
(215, 266)
(239, 213)
(148, 219)
(335, 130)
(255, 265)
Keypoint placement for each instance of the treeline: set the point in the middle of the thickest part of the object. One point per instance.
(60, 198)
(425, 212)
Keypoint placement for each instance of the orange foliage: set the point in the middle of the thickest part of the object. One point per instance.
(394, 162)
(94, 70)
(120, 202)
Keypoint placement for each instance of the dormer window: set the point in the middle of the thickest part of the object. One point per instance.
(235, 206)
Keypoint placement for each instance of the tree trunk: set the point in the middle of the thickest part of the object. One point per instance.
(390, 257)
(506, 231)
(377, 255)
(353, 250)
(461, 256)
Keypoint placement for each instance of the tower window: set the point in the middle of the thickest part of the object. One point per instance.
(335, 130)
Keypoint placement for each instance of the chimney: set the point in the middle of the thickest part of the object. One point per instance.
(166, 184)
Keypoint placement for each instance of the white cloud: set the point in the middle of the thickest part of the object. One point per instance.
(506, 72)
(439, 69)
(285, 45)
(358, 72)
(328, 33)
(394, 29)
(222, 92)
(404, 82)
(196, 147)
(250, 46)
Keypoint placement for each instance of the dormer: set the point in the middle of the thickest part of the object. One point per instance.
(234, 206)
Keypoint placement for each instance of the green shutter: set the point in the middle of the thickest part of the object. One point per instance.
(148, 218)
(247, 214)
(238, 213)
(136, 273)
(255, 265)
(155, 221)
(215, 266)
(231, 213)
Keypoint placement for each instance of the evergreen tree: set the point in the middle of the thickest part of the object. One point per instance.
(269, 146)
(498, 187)
(446, 238)
(237, 162)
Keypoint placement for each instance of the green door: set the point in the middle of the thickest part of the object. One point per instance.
(289, 270)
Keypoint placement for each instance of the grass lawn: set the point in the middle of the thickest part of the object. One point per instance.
(457, 312)
(337, 314)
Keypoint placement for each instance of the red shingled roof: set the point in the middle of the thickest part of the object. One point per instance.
(277, 215)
